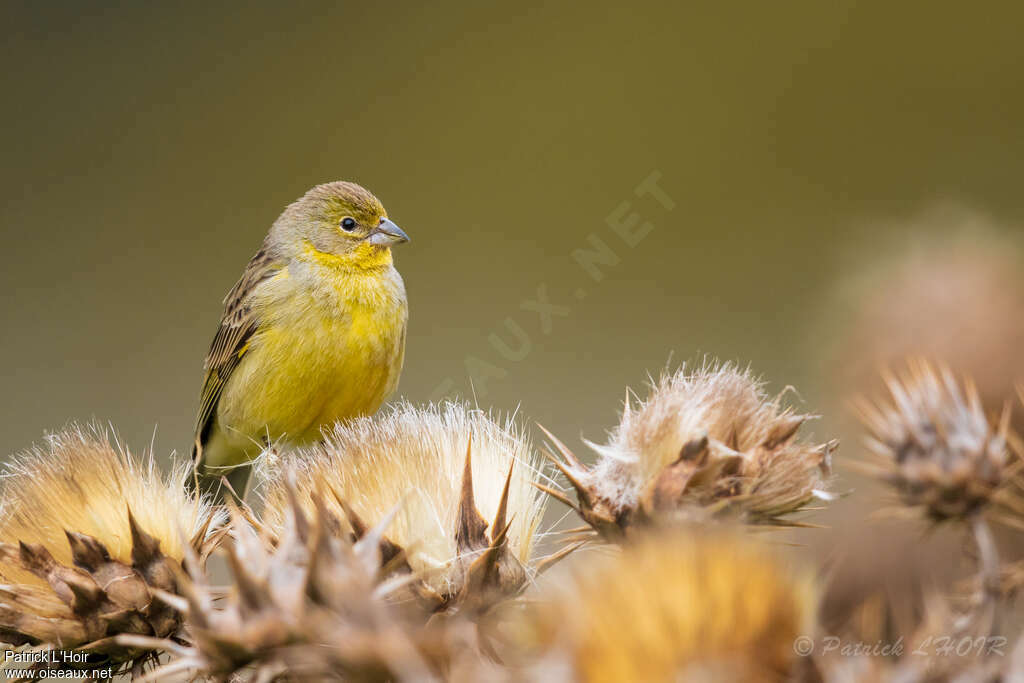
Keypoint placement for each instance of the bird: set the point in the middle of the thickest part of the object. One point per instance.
(312, 333)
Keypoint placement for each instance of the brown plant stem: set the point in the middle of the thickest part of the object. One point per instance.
(988, 573)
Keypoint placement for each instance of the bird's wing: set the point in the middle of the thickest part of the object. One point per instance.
(231, 342)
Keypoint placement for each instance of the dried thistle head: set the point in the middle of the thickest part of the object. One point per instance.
(932, 442)
(468, 512)
(704, 442)
(948, 262)
(304, 603)
(91, 540)
(942, 644)
(671, 606)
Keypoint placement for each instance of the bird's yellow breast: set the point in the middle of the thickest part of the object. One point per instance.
(329, 347)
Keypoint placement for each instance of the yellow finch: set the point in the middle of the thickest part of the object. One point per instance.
(312, 333)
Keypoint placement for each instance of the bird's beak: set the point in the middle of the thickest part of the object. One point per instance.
(386, 234)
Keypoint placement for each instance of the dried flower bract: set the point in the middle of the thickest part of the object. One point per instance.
(308, 605)
(90, 541)
(672, 606)
(468, 513)
(934, 444)
(706, 442)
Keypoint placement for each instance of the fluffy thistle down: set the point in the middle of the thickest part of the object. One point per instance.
(468, 512)
(705, 442)
(309, 604)
(671, 606)
(932, 442)
(91, 541)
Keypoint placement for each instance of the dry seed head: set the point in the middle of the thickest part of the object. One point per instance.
(703, 442)
(934, 444)
(449, 468)
(947, 263)
(673, 606)
(948, 646)
(308, 604)
(79, 482)
(88, 537)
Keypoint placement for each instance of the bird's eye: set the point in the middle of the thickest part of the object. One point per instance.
(348, 224)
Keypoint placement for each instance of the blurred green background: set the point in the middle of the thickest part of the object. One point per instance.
(147, 148)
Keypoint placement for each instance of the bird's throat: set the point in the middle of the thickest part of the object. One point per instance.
(364, 257)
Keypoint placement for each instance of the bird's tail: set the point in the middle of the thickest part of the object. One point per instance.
(218, 483)
(220, 486)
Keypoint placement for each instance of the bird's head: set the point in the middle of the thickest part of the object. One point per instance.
(340, 224)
